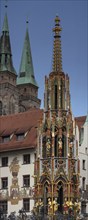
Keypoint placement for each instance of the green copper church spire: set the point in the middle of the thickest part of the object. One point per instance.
(26, 72)
(5, 27)
(6, 63)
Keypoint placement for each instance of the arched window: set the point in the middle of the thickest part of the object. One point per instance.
(44, 147)
(64, 146)
(45, 200)
(60, 197)
(22, 108)
(0, 108)
(12, 105)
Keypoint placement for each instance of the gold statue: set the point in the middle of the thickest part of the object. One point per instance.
(55, 205)
(60, 143)
(49, 206)
(48, 146)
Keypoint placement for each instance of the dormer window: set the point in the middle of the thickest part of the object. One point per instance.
(6, 138)
(20, 136)
(22, 74)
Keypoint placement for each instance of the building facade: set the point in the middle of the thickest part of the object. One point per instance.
(82, 136)
(18, 144)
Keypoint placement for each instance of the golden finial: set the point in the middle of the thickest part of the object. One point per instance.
(57, 19)
(57, 27)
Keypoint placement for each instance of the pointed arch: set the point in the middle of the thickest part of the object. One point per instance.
(45, 179)
(60, 176)
(22, 108)
(60, 199)
(12, 105)
(44, 147)
(45, 198)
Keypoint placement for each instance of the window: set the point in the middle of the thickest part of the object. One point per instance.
(22, 74)
(26, 158)
(21, 108)
(6, 138)
(12, 104)
(4, 182)
(81, 136)
(20, 136)
(34, 156)
(4, 161)
(5, 58)
(26, 205)
(26, 180)
(83, 207)
(86, 150)
(83, 164)
(83, 183)
(4, 206)
(11, 107)
(44, 148)
(25, 89)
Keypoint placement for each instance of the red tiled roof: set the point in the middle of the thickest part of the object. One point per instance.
(80, 121)
(18, 124)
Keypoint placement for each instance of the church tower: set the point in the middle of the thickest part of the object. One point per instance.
(26, 81)
(8, 90)
(17, 93)
(57, 164)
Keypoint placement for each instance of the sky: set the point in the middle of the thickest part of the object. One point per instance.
(74, 37)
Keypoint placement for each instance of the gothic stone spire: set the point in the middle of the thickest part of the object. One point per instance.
(6, 63)
(57, 93)
(57, 56)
